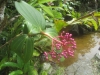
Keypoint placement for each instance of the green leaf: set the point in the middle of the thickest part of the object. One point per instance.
(20, 62)
(26, 67)
(29, 47)
(23, 47)
(16, 72)
(29, 29)
(32, 71)
(51, 32)
(94, 24)
(36, 53)
(18, 43)
(62, 59)
(18, 23)
(31, 14)
(44, 1)
(59, 24)
(44, 73)
(97, 14)
(42, 45)
(57, 14)
(47, 10)
(10, 64)
(3, 61)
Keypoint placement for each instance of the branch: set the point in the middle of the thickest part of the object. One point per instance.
(10, 40)
(83, 17)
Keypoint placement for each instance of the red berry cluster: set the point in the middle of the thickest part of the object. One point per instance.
(62, 46)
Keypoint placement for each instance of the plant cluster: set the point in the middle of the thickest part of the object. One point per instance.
(28, 38)
(62, 48)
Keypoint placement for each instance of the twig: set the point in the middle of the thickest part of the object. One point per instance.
(88, 15)
(10, 40)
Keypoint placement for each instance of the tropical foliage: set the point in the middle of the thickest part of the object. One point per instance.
(33, 34)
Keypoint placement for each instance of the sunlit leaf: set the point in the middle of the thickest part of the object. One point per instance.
(10, 64)
(59, 24)
(36, 53)
(16, 72)
(94, 24)
(97, 14)
(44, 1)
(29, 29)
(57, 14)
(51, 32)
(32, 71)
(47, 10)
(31, 14)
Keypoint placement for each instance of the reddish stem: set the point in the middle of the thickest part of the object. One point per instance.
(51, 37)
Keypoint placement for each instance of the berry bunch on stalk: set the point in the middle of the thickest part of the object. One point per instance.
(62, 46)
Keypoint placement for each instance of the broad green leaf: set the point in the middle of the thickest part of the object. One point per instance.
(10, 64)
(31, 14)
(29, 47)
(47, 10)
(18, 43)
(23, 47)
(16, 72)
(59, 24)
(51, 32)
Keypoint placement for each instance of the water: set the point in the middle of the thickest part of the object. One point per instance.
(83, 62)
(87, 47)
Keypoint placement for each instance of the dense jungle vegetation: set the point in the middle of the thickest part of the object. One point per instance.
(36, 31)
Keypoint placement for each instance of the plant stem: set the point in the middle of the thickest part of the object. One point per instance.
(51, 37)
